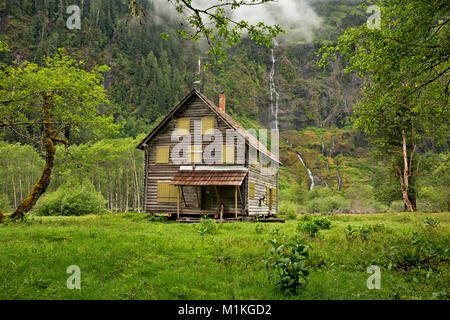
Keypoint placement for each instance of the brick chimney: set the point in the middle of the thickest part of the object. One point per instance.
(222, 101)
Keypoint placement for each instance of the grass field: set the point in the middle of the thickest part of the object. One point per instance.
(131, 256)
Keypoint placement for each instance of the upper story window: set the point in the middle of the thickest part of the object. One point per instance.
(195, 154)
(183, 126)
(228, 154)
(208, 125)
(162, 154)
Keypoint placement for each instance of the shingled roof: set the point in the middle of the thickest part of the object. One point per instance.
(233, 124)
(209, 178)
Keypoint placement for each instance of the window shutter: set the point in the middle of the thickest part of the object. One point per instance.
(252, 190)
(166, 192)
(173, 191)
(162, 154)
(183, 126)
(268, 197)
(163, 191)
(208, 125)
(274, 196)
(228, 154)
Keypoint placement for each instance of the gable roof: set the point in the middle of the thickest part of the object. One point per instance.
(249, 138)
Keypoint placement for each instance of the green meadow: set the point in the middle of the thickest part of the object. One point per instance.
(136, 256)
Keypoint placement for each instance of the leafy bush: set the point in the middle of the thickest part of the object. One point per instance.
(327, 204)
(323, 222)
(363, 232)
(207, 226)
(307, 217)
(309, 227)
(71, 199)
(259, 228)
(288, 209)
(312, 224)
(286, 264)
(421, 250)
(431, 222)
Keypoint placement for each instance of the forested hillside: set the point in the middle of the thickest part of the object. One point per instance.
(149, 75)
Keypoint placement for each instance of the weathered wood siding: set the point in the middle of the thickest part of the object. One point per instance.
(195, 109)
(261, 181)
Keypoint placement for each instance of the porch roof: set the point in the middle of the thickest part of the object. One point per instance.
(209, 178)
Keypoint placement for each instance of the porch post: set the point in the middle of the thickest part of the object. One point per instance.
(178, 202)
(235, 201)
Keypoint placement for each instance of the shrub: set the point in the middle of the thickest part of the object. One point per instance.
(71, 199)
(421, 250)
(307, 217)
(309, 227)
(312, 224)
(288, 209)
(259, 228)
(286, 264)
(326, 204)
(363, 232)
(431, 222)
(322, 222)
(207, 226)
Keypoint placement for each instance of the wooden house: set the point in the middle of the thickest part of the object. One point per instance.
(208, 177)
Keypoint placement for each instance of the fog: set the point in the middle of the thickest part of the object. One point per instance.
(296, 17)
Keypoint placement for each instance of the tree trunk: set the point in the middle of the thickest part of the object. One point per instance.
(41, 185)
(405, 181)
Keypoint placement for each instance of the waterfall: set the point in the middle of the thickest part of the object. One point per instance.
(311, 177)
(274, 105)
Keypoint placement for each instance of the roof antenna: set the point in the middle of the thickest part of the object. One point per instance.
(198, 73)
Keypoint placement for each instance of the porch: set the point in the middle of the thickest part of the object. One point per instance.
(216, 193)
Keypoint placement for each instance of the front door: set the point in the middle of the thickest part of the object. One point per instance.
(207, 198)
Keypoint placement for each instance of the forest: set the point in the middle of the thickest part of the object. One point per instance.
(362, 115)
(155, 73)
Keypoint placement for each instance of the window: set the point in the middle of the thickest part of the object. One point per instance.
(183, 126)
(251, 190)
(208, 125)
(167, 192)
(228, 154)
(269, 197)
(162, 154)
(254, 158)
(273, 193)
(195, 154)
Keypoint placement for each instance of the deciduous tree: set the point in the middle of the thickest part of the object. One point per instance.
(406, 67)
(43, 101)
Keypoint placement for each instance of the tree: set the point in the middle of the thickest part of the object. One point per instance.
(215, 24)
(44, 102)
(405, 65)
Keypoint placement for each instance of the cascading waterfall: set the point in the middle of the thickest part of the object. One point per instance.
(311, 177)
(274, 95)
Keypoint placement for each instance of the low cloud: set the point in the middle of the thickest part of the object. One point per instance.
(297, 17)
